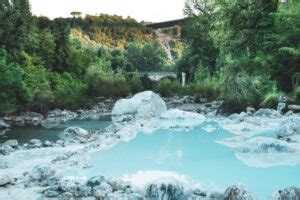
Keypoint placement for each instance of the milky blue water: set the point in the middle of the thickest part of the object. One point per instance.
(194, 154)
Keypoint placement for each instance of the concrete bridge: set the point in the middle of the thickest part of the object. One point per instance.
(157, 76)
(166, 24)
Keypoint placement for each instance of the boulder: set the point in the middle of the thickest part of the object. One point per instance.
(5, 180)
(295, 108)
(265, 112)
(29, 118)
(250, 110)
(291, 193)
(3, 125)
(77, 134)
(35, 143)
(12, 143)
(117, 184)
(41, 175)
(288, 129)
(56, 117)
(48, 144)
(200, 192)
(237, 193)
(5, 150)
(74, 188)
(102, 190)
(142, 105)
(95, 181)
(165, 189)
(67, 189)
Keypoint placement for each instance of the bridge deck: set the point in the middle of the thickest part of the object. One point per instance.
(166, 24)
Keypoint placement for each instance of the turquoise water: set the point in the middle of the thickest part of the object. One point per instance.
(194, 154)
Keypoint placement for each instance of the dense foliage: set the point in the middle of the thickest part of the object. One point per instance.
(249, 49)
(65, 62)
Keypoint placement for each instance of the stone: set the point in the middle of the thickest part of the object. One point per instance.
(250, 110)
(60, 143)
(265, 112)
(4, 125)
(95, 181)
(199, 192)
(12, 143)
(48, 144)
(237, 193)
(35, 143)
(295, 108)
(164, 189)
(5, 150)
(77, 134)
(41, 175)
(29, 118)
(102, 190)
(75, 188)
(117, 184)
(56, 117)
(291, 193)
(288, 128)
(5, 180)
(142, 105)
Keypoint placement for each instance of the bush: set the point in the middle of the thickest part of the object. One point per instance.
(167, 88)
(136, 84)
(270, 98)
(69, 92)
(238, 89)
(206, 85)
(102, 81)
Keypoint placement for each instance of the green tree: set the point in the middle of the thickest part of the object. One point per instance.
(13, 90)
(47, 48)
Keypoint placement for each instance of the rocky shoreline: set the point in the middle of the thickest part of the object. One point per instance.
(51, 184)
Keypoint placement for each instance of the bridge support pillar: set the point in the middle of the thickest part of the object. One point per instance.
(183, 78)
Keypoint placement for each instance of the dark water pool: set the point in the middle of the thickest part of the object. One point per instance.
(25, 134)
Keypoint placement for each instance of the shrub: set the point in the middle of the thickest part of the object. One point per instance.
(238, 89)
(270, 98)
(166, 87)
(102, 81)
(206, 85)
(69, 92)
(136, 84)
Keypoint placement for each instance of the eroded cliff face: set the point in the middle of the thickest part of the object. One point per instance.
(169, 40)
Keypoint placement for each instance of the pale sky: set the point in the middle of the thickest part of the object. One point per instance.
(147, 10)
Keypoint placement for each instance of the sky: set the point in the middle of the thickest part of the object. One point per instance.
(147, 10)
